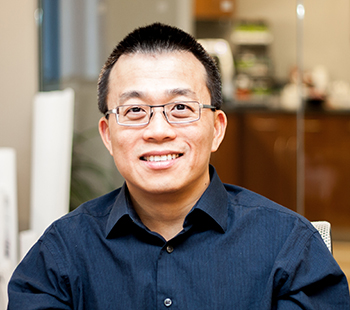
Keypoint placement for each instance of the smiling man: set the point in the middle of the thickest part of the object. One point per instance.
(173, 236)
(160, 146)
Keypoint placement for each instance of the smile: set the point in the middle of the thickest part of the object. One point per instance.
(158, 158)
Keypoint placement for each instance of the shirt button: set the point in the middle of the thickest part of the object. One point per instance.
(168, 302)
(169, 249)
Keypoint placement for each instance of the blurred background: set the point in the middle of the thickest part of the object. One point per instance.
(285, 66)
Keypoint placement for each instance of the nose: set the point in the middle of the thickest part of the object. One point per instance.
(158, 129)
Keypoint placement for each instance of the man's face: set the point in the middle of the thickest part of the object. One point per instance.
(161, 158)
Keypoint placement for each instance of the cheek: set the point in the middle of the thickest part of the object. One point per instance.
(203, 139)
(122, 156)
(122, 146)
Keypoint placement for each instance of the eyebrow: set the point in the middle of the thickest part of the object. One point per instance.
(130, 95)
(181, 92)
(170, 93)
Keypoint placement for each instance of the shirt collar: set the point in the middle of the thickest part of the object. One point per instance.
(121, 209)
(213, 203)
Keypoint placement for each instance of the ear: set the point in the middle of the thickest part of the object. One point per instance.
(220, 124)
(103, 127)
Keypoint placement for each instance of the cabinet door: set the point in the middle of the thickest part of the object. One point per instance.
(327, 169)
(269, 156)
(214, 9)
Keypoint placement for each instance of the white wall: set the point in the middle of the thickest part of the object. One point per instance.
(18, 84)
(327, 36)
(124, 16)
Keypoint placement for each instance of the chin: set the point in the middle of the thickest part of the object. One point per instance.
(159, 187)
(162, 189)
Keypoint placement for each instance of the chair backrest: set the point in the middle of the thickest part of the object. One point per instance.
(324, 228)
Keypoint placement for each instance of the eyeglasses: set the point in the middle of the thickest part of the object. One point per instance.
(179, 112)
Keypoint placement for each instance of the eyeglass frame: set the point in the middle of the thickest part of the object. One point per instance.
(201, 106)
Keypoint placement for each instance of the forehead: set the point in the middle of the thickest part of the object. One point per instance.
(156, 73)
(175, 57)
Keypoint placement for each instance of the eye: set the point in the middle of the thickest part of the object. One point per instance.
(183, 110)
(133, 112)
(180, 106)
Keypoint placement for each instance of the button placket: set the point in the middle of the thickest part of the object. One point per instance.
(165, 272)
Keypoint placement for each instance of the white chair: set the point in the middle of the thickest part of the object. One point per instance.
(324, 228)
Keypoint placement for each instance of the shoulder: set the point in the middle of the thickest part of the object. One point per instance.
(90, 216)
(264, 215)
(66, 238)
(271, 228)
(247, 199)
(97, 207)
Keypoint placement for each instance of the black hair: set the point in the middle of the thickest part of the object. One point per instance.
(155, 39)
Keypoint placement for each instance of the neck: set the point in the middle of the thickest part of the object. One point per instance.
(165, 213)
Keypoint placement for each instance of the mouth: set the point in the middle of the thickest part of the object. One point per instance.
(160, 158)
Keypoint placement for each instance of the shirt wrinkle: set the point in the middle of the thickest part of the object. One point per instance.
(289, 271)
(62, 270)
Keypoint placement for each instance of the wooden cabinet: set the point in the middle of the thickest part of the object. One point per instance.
(269, 156)
(214, 9)
(260, 153)
(327, 169)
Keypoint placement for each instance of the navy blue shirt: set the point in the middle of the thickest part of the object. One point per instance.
(237, 250)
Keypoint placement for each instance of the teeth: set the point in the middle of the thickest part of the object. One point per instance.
(162, 157)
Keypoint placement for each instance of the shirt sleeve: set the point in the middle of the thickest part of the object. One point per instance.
(39, 282)
(312, 280)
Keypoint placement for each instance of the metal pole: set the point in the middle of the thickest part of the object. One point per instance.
(300, 115)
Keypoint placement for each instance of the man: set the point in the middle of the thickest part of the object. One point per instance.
(173, 236)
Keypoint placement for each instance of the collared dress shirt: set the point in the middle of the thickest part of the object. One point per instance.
(237, 250)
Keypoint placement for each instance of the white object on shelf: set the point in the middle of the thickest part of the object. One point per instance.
(339, 95)
(221, 49)
(51, 158)
(8, 220)
(27, 238)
